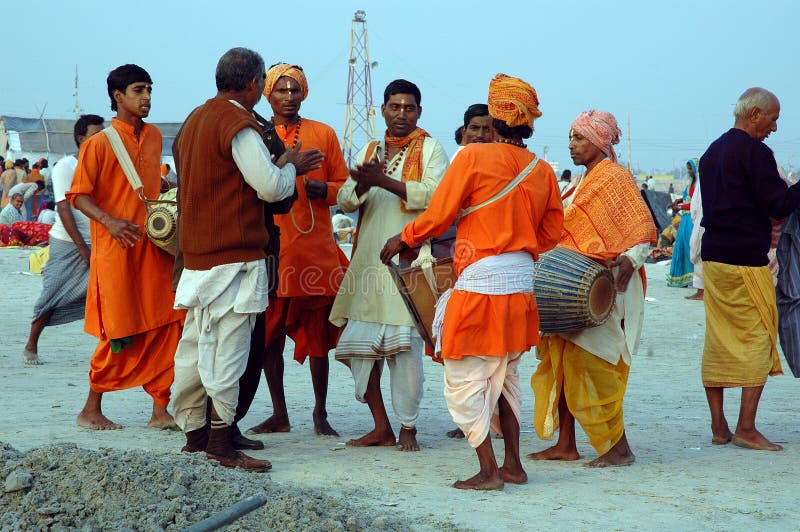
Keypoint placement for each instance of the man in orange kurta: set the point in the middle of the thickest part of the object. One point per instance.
(311, 264)
(491, 316)
(129, 298)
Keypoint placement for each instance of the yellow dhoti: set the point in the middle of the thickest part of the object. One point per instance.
(741, 326)
(592, 387)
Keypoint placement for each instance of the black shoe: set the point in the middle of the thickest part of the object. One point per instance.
(240, 442)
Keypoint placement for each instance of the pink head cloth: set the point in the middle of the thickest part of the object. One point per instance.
(601, 129)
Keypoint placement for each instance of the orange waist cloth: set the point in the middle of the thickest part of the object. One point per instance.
(305, 321)
(484, 325)
(148, 362)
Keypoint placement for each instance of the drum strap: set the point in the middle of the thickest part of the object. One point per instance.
(125, 161)
(508, 188)
(425, 259)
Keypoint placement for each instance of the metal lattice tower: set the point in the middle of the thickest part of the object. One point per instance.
(359, 115)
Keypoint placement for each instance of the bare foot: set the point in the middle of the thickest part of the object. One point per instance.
(455, 433)
(721, 439)
(375, 438)
(272, 424)
(721, 435)
(95, 420)
(755, 440)
(613, 458)
(31, 358)
(162, 420)
(514, 476)
(697, 296)
(481, 481)
(556, 453)
(322, 427)
(407, 441)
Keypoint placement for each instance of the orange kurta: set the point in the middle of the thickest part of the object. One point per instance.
(529, 218)
(311, 265)
(129, 290)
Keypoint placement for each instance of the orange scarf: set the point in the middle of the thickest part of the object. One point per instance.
(412, 165)
(608, 215)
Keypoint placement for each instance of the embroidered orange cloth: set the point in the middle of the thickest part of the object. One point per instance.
(608, 215)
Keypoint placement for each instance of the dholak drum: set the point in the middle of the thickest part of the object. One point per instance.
(572, 292)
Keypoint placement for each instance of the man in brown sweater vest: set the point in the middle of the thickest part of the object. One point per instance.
(226, 175)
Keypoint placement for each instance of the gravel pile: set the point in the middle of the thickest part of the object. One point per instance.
(62, 487)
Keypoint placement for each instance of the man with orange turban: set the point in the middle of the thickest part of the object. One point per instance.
(490, 317)
(583, 375)
(311, 265)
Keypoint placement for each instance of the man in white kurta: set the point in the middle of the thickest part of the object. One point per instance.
(391, 184)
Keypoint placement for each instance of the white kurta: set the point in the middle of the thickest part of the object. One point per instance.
(367, 292)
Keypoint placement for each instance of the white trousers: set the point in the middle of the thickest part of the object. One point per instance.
(210, 359)
(405, 379)
(472, 388)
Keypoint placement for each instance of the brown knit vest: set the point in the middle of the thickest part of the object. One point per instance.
(222, 218)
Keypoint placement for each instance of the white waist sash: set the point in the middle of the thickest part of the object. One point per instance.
(498, 275)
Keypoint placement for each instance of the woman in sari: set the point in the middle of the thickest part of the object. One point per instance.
(681, 269)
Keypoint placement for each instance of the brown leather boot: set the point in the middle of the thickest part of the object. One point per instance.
(220, 448)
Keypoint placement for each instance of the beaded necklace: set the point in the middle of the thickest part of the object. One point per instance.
(517, 143)
(310, 207)
(397, 158)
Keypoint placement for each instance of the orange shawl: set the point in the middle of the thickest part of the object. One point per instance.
(608, 215)
(412, 166)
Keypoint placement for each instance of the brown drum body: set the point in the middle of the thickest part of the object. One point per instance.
(572, 292)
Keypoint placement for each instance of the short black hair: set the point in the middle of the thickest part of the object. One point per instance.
(459, 135)
(82, 126)
(402, 86)
(566, 174)
(476, 109)
(122, 76)
(504, 130)
(236, 68)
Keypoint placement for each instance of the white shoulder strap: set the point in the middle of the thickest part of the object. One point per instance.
(124, 159)
(508, 188)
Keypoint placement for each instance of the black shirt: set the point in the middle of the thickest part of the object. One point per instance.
(741, 190)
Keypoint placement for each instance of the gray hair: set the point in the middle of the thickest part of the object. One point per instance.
(14, 196)
(238, 67)
(754, 97)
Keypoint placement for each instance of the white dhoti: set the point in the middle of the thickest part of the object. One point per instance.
(473, 386)
(212, 355)
(366, 345)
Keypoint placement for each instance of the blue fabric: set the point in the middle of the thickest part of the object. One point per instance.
(788, 292)
(681, 269)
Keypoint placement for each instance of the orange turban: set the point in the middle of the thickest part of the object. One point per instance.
(290, 71)
(601, 129)
(513, 101)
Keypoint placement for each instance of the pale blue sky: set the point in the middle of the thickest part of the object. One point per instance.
(676, 67)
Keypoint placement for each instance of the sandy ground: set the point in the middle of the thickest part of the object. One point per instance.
(679, 479)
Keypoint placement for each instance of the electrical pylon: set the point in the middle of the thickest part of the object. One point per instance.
(359, 115)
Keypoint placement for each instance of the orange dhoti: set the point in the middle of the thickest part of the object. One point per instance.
(146, 362)
(304, 319)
